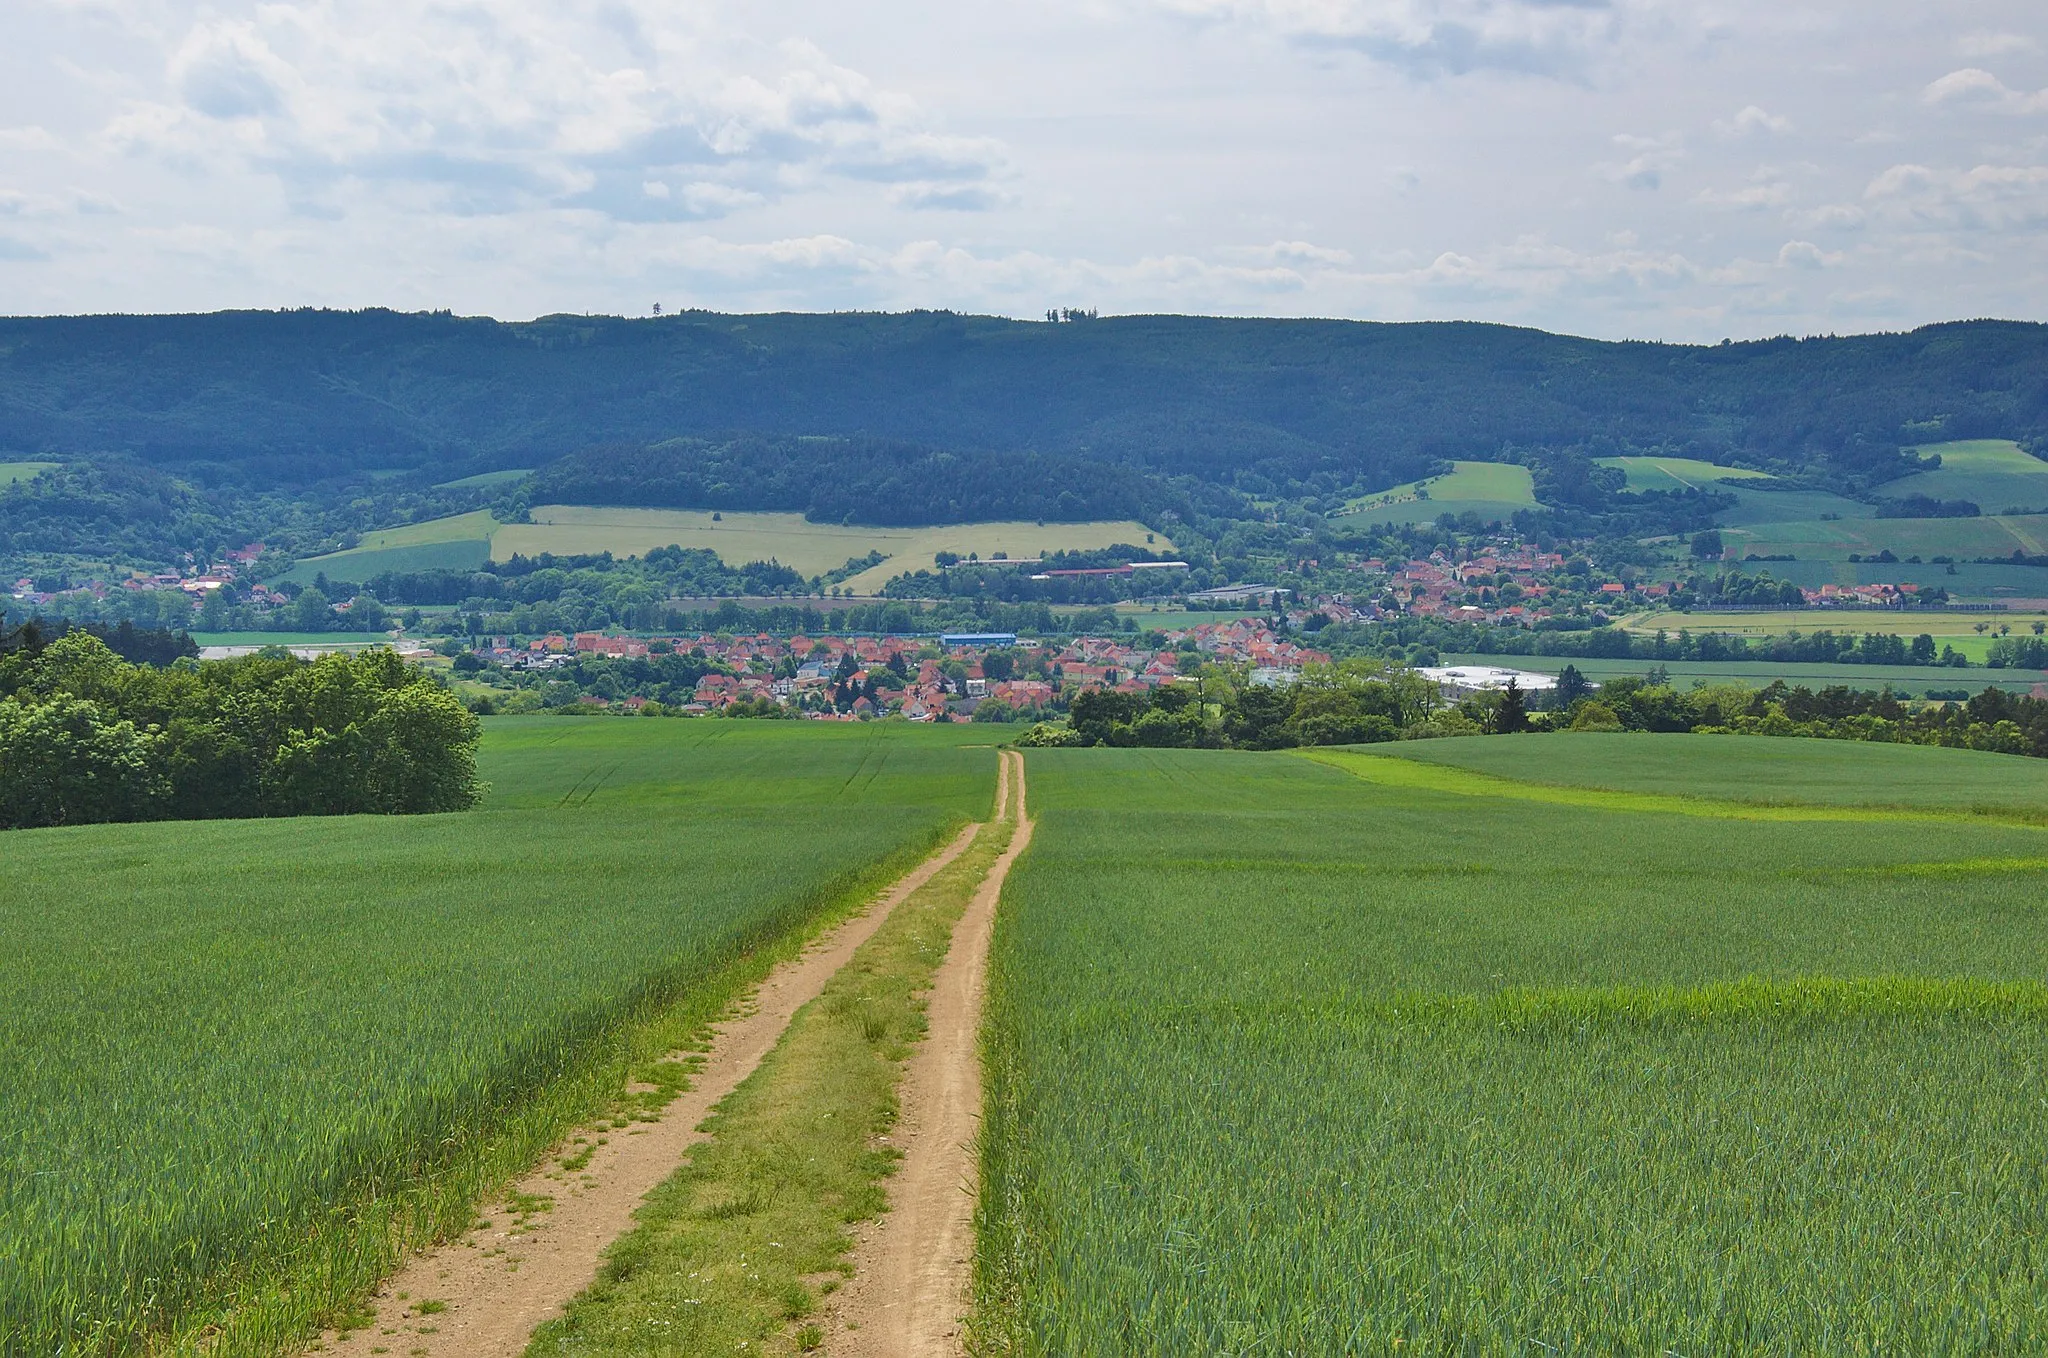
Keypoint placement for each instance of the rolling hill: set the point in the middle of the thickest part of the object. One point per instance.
(1265, 406)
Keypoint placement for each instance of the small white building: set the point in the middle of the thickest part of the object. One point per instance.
(1458, 681)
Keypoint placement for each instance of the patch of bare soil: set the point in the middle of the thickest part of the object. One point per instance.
(483, 1295)
(909, 1294)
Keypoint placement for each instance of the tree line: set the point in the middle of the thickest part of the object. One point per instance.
(86, 736)
(1823, 647)
(1360, 702)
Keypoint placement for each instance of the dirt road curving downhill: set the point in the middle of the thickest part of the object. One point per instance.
(495, 1285)
(909, 1292)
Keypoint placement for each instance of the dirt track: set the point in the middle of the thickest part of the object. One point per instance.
(909, 1291)
(497, 1285)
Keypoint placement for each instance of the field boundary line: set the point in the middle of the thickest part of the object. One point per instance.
(496, 1284)
(1396, 771)
(909, 1295)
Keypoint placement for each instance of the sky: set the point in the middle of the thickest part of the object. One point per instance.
(1651, 169)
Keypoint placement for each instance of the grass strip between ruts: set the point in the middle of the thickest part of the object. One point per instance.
(1394, 771)
(323, 1281)
(733, 1251)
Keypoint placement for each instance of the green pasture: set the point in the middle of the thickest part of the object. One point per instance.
(10, 472)
(1756, 505)
(1493, 490)
(1972, 581)
(497, 478)
(1942, 625)
(1753, 769)
(1678, 473)
(1284, 1059)
(1994, 474)
(229, 1047)
(459, 542)
(1988, 535)
(1905, 680)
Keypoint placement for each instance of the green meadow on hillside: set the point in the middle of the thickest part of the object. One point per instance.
(1678, 473)
(224, 1039)
(1994, 474)
(1285, 1059)
(459, 542)
(10, 472)
(1492, 490)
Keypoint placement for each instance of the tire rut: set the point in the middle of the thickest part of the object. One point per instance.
(908, 1297)
(496, 1284)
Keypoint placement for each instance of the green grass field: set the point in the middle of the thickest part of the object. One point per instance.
(1812, 539)
(1941, 625)
(10, 472)
(1994, 474)
(1754, 769)
(1905, 680)
(1969, 581)
(1287, 1060)
(1678, 473)
(497, 478)
(459, 542)
(224, 1039)
(1757, 506)
(1493, 490)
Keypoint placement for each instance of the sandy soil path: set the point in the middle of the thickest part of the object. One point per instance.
(909, 1291)
(497, 1284)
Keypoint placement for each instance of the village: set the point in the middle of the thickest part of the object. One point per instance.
(955, 675)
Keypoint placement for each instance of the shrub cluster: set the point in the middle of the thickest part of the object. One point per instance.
(85, 736)
(1355, 702)
(1993, 720)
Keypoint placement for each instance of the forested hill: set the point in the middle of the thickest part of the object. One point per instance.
(274, 398)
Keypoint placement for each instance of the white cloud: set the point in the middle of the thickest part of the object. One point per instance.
(1829, 217)
(502, 108)
(1292, 253)
(1648, 158)
(1976, 88)
(1804, 254)
(1986, 198)
(1765, 190)
(1436, 37)
(1752, 121)
(1984, 43)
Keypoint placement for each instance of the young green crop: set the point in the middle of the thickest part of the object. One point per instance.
(221, 1035)
(1286, 1061)
(1751, 769)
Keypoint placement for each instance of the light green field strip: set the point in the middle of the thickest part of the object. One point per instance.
(1806, 999)
(1495, 483)
(1677, 473)
(1394, 771)
(809, 548)
(10, 472)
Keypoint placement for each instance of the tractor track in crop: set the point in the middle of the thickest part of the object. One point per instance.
(908, 1297)
(482, 1295)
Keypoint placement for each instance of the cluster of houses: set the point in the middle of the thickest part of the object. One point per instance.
(850, 678)
(197, 579)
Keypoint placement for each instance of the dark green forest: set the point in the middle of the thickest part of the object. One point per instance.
(284, 398)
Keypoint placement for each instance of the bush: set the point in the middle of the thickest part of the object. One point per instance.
(86, 737)
(1594, 715)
